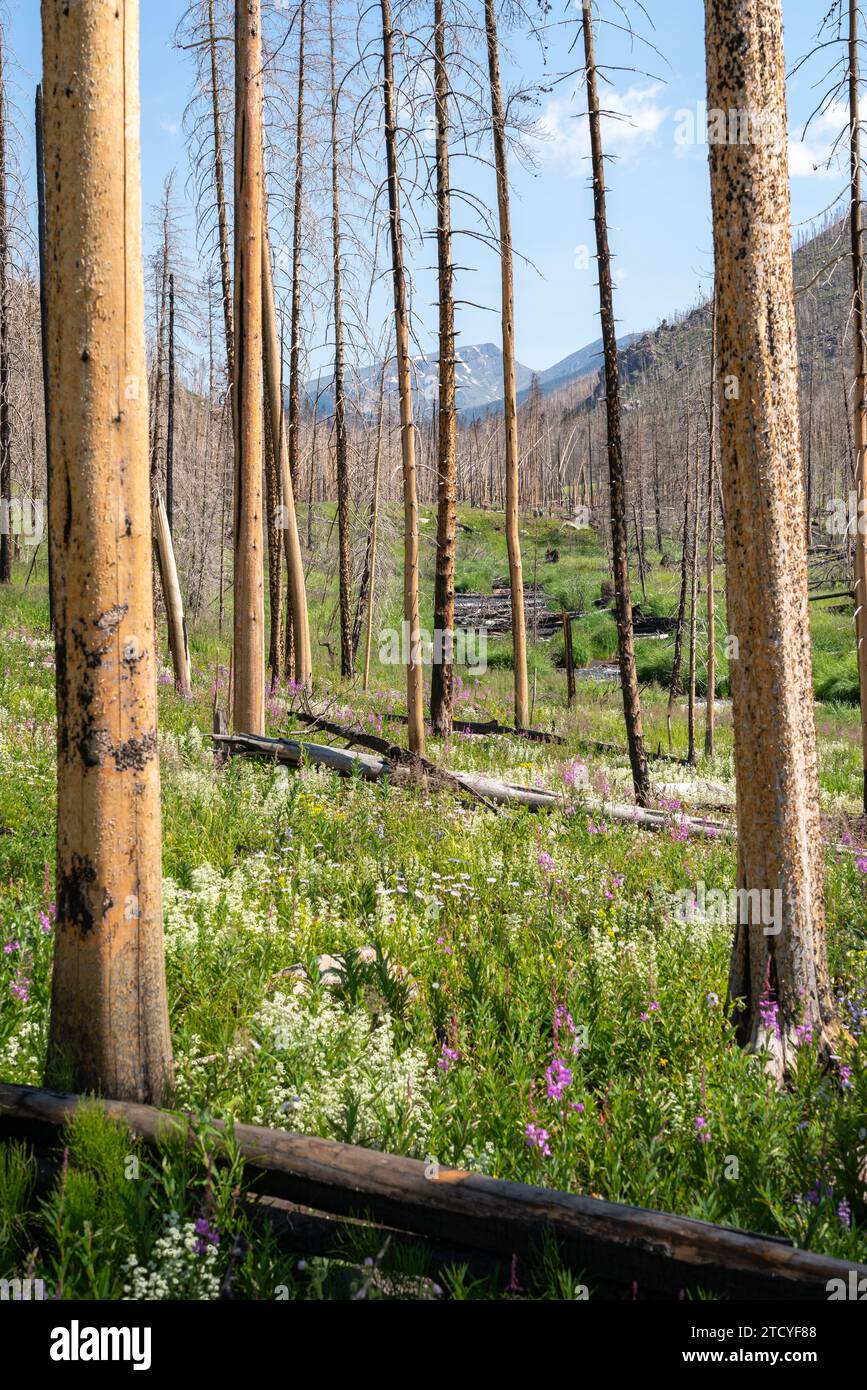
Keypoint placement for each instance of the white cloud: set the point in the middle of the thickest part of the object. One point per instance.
(564, 135)
(170, 127)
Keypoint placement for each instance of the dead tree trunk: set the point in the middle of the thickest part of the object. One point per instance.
(273, 522)
(510, 393)
(302, 669)
(249, 615)
(779, 977)
(294, 414)
(109, 1027)
(43, 323)
(220, 189)
(170, 418)
(860, 334)
(693, 615)
(711, 542)
(619, 540)
(6, 542)
(444, 586)
(411, 618)
(367, 587)
(177, 627)
(341, 439)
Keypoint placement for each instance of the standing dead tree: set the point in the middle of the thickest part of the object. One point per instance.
(617, 478)
(510, 393)
(444, 588)
(6, 543)
(249, 614)
(341, 440)
(779, 982)
(109, 1028)
(411, 617)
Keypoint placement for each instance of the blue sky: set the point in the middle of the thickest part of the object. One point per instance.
(659, 207)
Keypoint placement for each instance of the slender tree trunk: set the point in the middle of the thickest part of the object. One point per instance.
(294, 416)
(366, 588)
(444, 587)
(619, 542)
(675, 686)
(177, 627)
(220, 188)
(302, 668)
(341, 440)
(109, 1029)
(510, 393)
(411, 618)
(43, 323)
(779, 978)
(6, 542)
(693, 614)
(249, 614)
(860, 332)
(711, 543)
(273, 521)
(170, 420)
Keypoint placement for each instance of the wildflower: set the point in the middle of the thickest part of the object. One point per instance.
(545, 862)
(844, 1213)
(11, 947)
(537, 1138)
(449, 1055)
(861, 864)
(207, 1235)
(701, 1129)
(577, 1106)
(846, 1078)
(558, 1077)
(712, 1000)
(769, 1009)
(47, 919)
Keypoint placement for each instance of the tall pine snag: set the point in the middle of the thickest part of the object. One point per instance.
(444, 584)
(411, 618)
(779, 981)
(510, 389)
(616, 471)
(109, 1028)
(6, 543)
(859, 325)
(341, 436)
(249, 615)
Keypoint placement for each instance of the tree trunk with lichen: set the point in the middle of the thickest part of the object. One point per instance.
(779, 981)
(249, 615)
(616, 472)
(6, 543)
(341, 436)
(109, 1028)
(859, 317)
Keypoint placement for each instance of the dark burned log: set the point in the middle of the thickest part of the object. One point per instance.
(485, 728)
(604, 1241)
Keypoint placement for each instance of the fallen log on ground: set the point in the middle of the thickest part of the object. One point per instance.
(658, 1252)
(486, 728)
(490, 790)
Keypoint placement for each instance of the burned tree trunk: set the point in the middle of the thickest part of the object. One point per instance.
(220, 188)
(510, 392)
(444, 586)
(43, 322)
(294, 414)
(779, 981)
(341, 439)
(411, 618)
(619, 540)
(6, 542)
(249, 615)
(109, 1027)
(711, 542)
(860, 333)
(170, 418)
(302, 668)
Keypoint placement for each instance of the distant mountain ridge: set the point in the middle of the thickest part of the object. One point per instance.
(479, 373)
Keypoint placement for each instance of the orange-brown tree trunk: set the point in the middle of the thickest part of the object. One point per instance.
(249, 615)
(109, 1021)
(779, 979)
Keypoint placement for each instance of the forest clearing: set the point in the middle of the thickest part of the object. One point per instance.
(433, 791)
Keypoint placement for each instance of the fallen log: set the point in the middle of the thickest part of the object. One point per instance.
(658, 1252)
(490, 790)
